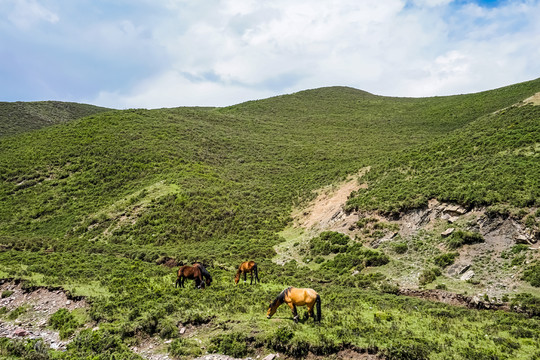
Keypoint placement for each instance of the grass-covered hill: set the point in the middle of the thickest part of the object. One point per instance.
(17, 117)
(93, 204)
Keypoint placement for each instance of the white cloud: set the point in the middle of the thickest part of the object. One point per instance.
(25, 13)
(218, 52)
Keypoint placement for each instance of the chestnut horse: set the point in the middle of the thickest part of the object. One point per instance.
(295, 296)
(195, 272)
(247, 267)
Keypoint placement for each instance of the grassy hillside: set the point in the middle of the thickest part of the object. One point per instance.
(92, 204)
(17, 117)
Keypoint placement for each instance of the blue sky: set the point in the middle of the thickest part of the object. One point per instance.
(165, 53)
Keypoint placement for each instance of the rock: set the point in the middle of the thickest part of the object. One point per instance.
(271, 357)
(455, 210)
(20, 332)
(467, 275)
(355, 272)
(447, 232)
(522, 239)
(68, 302)
(182, 330)
(453, 219)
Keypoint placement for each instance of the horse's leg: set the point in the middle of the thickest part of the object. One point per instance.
(251, 273)
(295, 313)
(245, 276)
(310, 310)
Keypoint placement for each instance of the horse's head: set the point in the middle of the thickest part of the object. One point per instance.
(208, 281)
(271, 310)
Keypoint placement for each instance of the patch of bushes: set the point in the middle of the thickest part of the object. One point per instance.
(99, 345)
(428, 276)
(461, 237)
(400, 247)
(233, 344)
(532, 274)
(527, 303)
(357, 257)
(65, 322)
(184, 347)
(329, 242)
(6, 293)
(28, 349)
(445, 260)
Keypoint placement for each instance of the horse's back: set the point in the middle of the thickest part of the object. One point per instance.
(302, 296)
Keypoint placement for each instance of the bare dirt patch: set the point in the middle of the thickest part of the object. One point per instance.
(327, 208)
(39, 305)
(534, 100)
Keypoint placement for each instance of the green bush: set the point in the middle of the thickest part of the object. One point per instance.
(461, 237)
(428, 276)
(6, 293)
(532, 275)
(400, 247)
(184, 347)
(445, 260)
(65, 322)
(329, 242)
(233, 344)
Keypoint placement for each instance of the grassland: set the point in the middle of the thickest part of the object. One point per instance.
(91, 204)
(17, 117)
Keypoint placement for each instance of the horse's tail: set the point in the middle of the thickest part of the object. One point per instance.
(256, 271)
(318, 304)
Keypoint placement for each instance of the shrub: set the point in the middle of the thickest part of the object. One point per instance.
(460, 238)
(64, 321)
(232, 344)
(528, 303)
(400, 247)
(184, 347)
(6, 293)
(532, 275)
(429, 275)
(329, 242)
(445, 260)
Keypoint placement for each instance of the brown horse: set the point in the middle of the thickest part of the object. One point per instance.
(295, 296)
(195, 272)
(247, 267)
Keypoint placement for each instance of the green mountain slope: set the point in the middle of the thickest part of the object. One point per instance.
(91, 204)
(492, 160)
(19, 117)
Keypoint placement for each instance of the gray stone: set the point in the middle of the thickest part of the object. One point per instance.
(271, 357)
(182, 330)
(467, 275)
(447, 232)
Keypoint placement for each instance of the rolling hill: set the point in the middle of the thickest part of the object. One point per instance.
(96, 204)
(17, 117)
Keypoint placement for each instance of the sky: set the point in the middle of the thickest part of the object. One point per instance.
(167, 53)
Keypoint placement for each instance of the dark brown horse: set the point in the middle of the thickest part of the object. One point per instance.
(196, 272)
(247, 267)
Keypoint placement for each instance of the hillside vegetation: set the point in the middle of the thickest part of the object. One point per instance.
(93, 206)
(17, 117)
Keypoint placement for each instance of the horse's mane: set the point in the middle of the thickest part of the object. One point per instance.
(281, 296)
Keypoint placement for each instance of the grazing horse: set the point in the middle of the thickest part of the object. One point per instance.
(295, 296)
(205, 274)
(195, 272)
(247, 267)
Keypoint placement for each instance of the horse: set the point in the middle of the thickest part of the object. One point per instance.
(295, 296)
(244, 268)
(205, 274)
(195, 272)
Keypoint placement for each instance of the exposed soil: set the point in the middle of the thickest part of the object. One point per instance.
(535, 99)
(40, 303)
